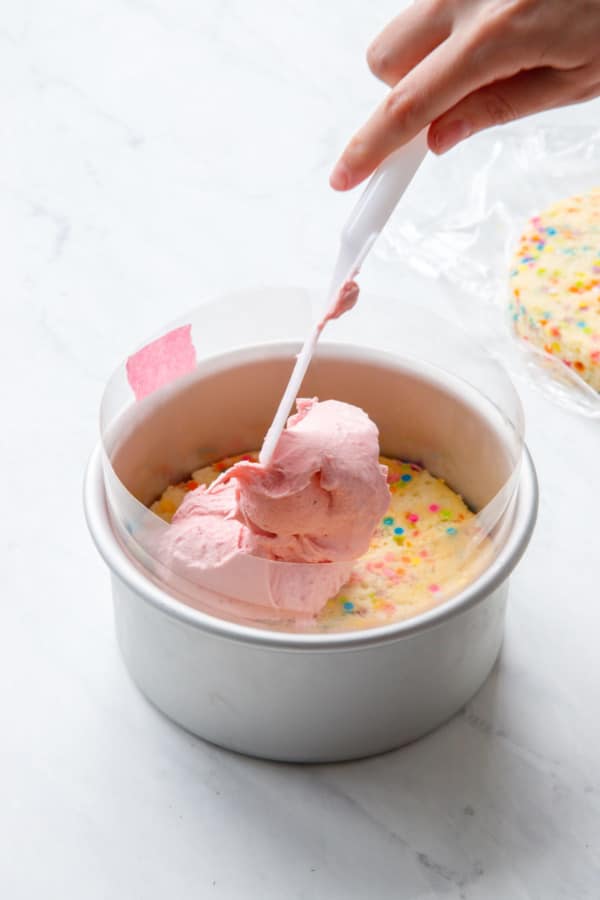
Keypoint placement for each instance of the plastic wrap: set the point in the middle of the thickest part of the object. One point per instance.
(460, 223)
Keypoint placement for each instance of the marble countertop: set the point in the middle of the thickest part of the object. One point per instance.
(152, 152)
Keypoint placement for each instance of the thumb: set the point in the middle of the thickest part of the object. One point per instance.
(498, 103)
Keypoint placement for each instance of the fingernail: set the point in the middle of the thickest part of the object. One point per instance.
(340, 177)
(451, 134)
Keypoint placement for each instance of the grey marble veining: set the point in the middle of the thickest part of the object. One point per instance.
(152, 152)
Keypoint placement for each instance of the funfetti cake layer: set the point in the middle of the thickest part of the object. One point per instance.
(420, 554)
(555, 284)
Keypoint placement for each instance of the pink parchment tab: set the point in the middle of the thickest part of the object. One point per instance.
(162, 361)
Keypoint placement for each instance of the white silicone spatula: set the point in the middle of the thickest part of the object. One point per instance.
(366, 221)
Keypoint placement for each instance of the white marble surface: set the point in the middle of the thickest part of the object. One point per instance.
(152, 151)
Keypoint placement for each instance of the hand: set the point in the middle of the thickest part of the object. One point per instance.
(460, 66)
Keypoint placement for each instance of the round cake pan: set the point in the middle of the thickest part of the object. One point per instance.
(314, 697)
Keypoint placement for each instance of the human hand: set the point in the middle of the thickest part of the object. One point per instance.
(459, 66)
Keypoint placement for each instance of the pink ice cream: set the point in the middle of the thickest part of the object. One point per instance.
(320, 498)
(345, 301)
(285, 535)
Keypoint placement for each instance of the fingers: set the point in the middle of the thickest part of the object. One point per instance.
(465, 65)
(437, 83)
(501, 102)
(408, 39)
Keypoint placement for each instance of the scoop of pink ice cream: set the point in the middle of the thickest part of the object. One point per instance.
(284, 535)
(323, 492)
